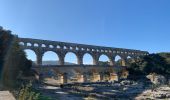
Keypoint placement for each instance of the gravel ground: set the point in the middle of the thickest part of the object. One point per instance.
(107, 91)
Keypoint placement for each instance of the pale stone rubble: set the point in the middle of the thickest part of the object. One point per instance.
(6, 95)
(123, 90)
(160, 93)
(156, 79)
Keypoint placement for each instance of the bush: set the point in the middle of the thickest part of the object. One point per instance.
(153, 63)
(27, 93)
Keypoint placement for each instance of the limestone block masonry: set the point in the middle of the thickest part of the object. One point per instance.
(62, 48)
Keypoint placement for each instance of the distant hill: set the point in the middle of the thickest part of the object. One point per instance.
(51, 62)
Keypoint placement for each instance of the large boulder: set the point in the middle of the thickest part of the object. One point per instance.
(156, 79)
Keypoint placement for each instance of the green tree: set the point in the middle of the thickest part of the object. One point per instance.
(13, 60)
(153, 63)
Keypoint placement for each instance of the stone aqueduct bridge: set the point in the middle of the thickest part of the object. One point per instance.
(98, 72)
(62, 48)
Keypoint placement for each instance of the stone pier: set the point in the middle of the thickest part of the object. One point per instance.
(113, 77)
(95, 77)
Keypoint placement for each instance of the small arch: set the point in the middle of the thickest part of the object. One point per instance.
(82, 49)
(36, 45)
(129, 57)
(29, 44)
(130, 60)
(117, 51)
(21, 43)
(64, 47)
(77, 48)
(51, 46)
(70, 58)
(50, 58)
(71, 48)
(118, 60)
(58, 47)
(88, 49)
(43, 45)
(87, 59)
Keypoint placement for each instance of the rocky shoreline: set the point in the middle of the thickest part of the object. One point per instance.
(123, 90)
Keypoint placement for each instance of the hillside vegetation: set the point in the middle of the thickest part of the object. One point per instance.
(153, 63)
(13, 61)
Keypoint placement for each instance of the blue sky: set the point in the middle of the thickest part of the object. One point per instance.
(133, 24)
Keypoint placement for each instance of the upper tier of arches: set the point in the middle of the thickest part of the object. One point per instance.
(40, 47)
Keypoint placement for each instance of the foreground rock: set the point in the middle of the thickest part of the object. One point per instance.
(156, 79)
(6, 95)
(123, 90)
(160, 93)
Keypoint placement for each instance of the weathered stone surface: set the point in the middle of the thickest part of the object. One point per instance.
(61, 48)
(160, 93)
(156, 79)
(6, 95)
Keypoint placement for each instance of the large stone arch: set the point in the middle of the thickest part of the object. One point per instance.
(110, 61)
(120, 60)
(55, 54)
(72, 54)
(90, 55)
(29, 52)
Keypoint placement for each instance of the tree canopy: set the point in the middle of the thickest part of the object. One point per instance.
(153, 63)
(13, 60)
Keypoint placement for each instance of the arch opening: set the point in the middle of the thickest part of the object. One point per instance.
(104, 60)
(36, 45)
(31, 55)
(129, 60)
(43, 45)
(87, 59)
(118, 61)
(129, 57)
(58, 47)
(50, 58)
(51, 46)
(70, 58)
(21, 43)
(29, 44)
